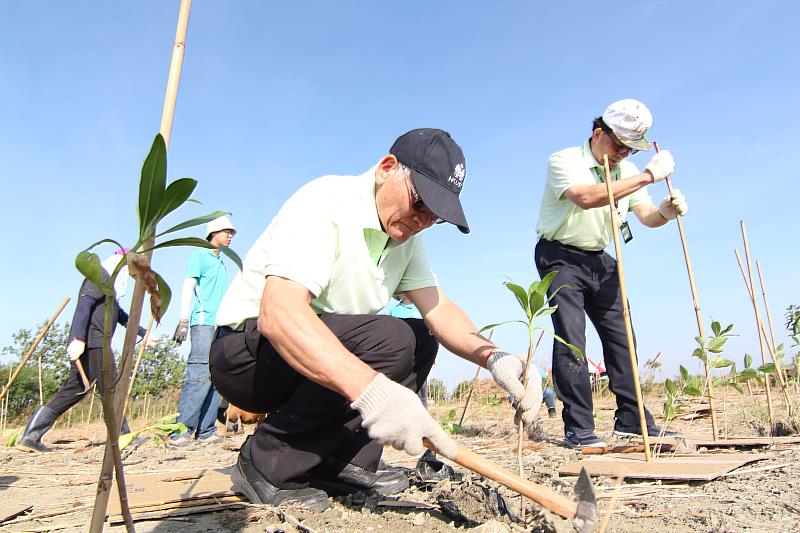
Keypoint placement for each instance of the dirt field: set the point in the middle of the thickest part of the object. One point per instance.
(63, 483)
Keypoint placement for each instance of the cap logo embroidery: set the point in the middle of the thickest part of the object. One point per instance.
(458, 175)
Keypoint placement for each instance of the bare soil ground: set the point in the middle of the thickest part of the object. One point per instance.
(63, 484)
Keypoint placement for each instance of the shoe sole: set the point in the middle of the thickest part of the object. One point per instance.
(242, 486)
(573, 446)
(31, 449)
(341, 488)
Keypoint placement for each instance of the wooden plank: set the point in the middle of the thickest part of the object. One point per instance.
(7, 513)
(687, 468)
(744, 442)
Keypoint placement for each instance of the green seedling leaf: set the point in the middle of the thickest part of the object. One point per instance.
(748, 360)
(176, 195)
(701, 341)
(543, 285)
(522, 296)
(747, 374)
(194, 222)
(172, 417)
(727, 330)
(716, 328)
(165, 294)
(715, 345)
(577, 351)
(127, 438)
(768, 368)
(152, 186)
(721, 363)
(492, 326)
(13, 440)
(199, 243)
(736, 386)
(536, 302)
(670, 386)
(546, 311)
(691, 390)
(89, 265)
(684, 373)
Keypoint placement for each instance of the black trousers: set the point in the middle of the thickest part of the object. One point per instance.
(307, 422)
(71, 391)
(592, 289)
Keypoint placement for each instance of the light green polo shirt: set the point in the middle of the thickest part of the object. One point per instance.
(327, 237)
(563, 221)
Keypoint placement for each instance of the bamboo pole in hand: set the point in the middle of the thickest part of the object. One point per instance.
(697, 313)
(36, 342)
(627, 313)
(471, 387)
(136, 366)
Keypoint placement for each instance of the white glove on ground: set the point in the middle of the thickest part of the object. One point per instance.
(674, 205)
(507, 371)
(75, 349)
(661, 166)
(394, 414)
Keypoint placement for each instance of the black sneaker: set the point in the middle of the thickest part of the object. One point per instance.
(636, 431)
(251, 484)
(578, 438)
(551, 412)
(337, 478)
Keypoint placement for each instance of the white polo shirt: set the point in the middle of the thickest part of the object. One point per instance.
(563, 221)
(327, 237)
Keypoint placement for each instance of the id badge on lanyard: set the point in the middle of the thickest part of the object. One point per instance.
(624, 228)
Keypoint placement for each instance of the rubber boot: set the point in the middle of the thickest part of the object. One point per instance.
(41, 421)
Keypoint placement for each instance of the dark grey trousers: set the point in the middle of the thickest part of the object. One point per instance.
(592, 289)
(307, 422)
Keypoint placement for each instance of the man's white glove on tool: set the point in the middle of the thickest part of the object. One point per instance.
(507, 371)
(673, 205)
(661, 166)
(75, 349)
(394, 414)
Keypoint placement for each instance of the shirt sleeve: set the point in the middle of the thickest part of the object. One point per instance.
(195, 267)
(418, 274)
(80, 320)
(565, 170)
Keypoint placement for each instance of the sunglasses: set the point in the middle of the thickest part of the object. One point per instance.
(618, 146)
(418, 205)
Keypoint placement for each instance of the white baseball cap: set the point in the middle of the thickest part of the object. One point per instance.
(219, 224)
(629, 120)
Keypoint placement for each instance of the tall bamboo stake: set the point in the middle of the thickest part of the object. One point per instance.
(697, 313)
(769, 318)
(41, 393)
(762, 333)
(170, 97)
(626, 313)
(36, 342)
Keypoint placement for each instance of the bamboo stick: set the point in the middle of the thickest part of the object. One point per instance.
(626, 313)
(472, 387)
(136, 365)
(697, 313)
(769, 319)
(170, 97)
(36, 342)
(521, 428)
(763, 340)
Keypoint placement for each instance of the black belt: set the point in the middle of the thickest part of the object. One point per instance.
(573, 248)
(224, 330)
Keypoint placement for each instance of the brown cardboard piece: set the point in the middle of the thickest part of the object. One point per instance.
(681, 467)
(706, 441)
(175, 493)
(7, 513)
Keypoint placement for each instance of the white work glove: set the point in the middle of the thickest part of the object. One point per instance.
(661, 166)
(507, 371)
(152, 341)
(673, 205)
(394, 415)
(75, 349)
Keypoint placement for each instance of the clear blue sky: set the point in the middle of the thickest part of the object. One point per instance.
(274, 94)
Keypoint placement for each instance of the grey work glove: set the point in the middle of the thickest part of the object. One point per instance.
(673, 205)
(181, 331)
(507, 371)
(394, 415)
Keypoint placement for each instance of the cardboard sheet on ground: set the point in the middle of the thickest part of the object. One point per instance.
(706, 441)
(175, 493)
(7, 513)
(681, 467)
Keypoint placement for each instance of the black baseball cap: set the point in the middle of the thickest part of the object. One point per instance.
(438, 170)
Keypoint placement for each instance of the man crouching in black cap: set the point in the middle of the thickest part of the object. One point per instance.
(299, 336)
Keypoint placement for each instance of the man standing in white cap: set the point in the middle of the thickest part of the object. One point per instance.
(574, 228)
(203, 289)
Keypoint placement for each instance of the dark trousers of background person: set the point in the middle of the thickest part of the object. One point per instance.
(592, 289)
(308, 422)
(71, 391)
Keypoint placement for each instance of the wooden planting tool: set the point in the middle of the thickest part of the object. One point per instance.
(698, 315)
(136, 365)
(585, 508)
(86, 385)
(626, 313)
(36, 342)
